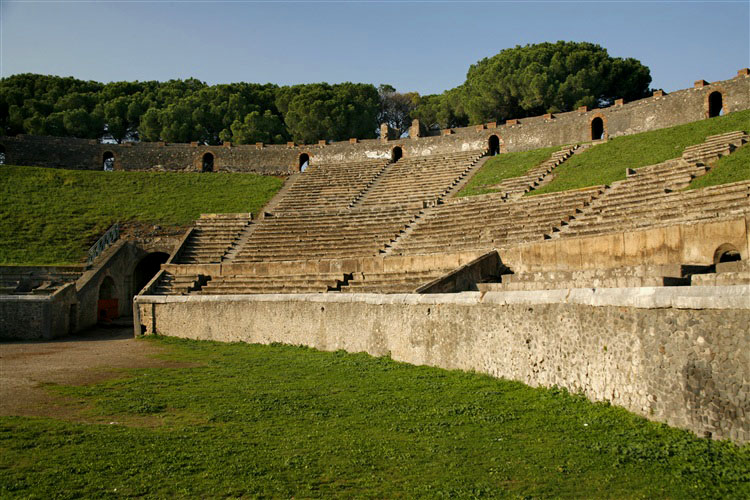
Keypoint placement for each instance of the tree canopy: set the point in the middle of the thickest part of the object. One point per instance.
(537, 79)
(517, 82)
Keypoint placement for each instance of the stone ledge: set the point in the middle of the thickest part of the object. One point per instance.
(714, 297)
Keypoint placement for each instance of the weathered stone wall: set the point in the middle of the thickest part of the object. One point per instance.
(680, 355)
(659, 111)
(40, 316)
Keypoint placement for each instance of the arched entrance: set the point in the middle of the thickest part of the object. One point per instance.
(597, 129)
(207, 164)
(493, 145)
(304, 162)
(108, 161)
(147, 269)
(715, 104)
(726, 253)
(396, 154)
(108, 307)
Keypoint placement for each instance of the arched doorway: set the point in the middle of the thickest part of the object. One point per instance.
(147, 269)
(108, 307)
(304, 162)
(396, 154)
(207, 164)
(108, 161)
(715, 104)
(726, 253)
(597, 129)
(2, 154)
(493, 145)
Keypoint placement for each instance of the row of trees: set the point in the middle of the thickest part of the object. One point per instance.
(517, 82)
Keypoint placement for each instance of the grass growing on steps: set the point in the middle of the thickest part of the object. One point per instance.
(280, 421)
(504, 166)
(606, 163)
(732, 168)
(52, 216)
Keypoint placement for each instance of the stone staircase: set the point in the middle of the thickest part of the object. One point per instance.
(171, 284)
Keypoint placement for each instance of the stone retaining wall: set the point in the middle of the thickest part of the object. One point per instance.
(678, 355)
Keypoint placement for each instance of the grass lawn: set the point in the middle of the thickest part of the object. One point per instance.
(51, 216)
(606, 163)
(504, 166)
(732, 168)
(282, 421)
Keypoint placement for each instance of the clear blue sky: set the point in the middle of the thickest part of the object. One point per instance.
(423, 46)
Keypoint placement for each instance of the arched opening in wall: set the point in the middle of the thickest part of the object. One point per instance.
(396, 154)
(304, 162)
(108, 161)
(597, 129)
(207, 164)
(2, 154)
(493, 145)
(715, 104)
(147, 269)
(108, 307)
(726, 253)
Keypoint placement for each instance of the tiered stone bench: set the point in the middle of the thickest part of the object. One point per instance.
(336, 234)
(182, 284)
(330, 186)
(36, 281)
(487, 221)
(419, 180)
(727, 273)
(653, 195)
(392, 282)
(517, 186)
(212, 237)
(301, 283)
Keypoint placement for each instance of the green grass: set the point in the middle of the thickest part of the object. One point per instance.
(52, 216)
(504, 166)
(606, 163)
(732, 168)
(281, 421)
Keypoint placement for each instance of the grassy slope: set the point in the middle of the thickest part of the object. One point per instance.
(606, 163)
(732, 168)
(502, 167)
(51, 216)
(281, 421)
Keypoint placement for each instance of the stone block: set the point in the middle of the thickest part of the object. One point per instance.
(583, 109)
(512, 121)
(699, 84)
(619, 102)
(658, 93)
(743, 72)
(492, 125)
(654, 246)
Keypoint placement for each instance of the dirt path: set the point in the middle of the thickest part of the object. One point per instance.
(97, 355)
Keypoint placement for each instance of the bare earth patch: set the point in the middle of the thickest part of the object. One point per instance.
(99, 354)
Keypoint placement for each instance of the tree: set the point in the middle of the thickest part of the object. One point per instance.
(396, 108)
(542, 78)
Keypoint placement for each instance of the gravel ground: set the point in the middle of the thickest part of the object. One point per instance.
(99, 354)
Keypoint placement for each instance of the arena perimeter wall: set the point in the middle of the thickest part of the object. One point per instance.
(679, 355)
(659, 111)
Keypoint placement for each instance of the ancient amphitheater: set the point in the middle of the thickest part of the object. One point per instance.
(637, 292)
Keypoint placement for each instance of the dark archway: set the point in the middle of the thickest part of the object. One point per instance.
(726, 253)
(493, 145)
(2, 154)
(207, 164)
(304, 162)
(597, 129)
(107, 307)
(108, 161)
(715, 104)
(147, 269)
(396, 154)
(107, 289)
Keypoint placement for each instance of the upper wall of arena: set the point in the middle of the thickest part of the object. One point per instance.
(658, 111)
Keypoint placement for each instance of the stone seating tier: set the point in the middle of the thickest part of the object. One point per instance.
(517, 186)
(393, 282)
(212, 237)
(254, 284)
(170, 284)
